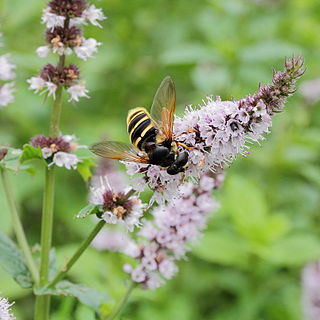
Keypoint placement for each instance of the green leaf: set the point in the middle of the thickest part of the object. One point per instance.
(85, 295)
(223, 248)
(247, 207)
(53, 266)
(84, 168)
(11, 160)
(13, 262)
(87, 210)
(29, 152)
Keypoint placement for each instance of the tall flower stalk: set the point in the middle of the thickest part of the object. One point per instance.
(64, 36)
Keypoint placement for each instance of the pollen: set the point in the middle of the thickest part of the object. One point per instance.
(119, 211)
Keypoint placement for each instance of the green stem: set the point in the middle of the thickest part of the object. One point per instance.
(17, 226)
(119, 308)
(84, 245)
(42, 306)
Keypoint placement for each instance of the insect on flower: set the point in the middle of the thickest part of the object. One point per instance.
(150, 134)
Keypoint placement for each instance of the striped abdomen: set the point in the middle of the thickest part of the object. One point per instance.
(140, 127)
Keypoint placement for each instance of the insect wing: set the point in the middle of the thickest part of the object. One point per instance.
(117, 150)
(162, 109)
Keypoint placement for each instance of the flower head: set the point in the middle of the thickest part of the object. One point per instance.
(165, 239)
(57, 150)
(64, 36)
(6, 68)
(51, 77)
(6, 74)
(5, 312)
(311, 290)
(6, 94)
(116, 206)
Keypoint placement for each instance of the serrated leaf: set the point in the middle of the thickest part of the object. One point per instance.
(13, 262)
(84, 168)
(87, 210)
(85, 295)
(29, 152)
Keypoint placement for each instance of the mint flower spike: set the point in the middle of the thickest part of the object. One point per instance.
(165, 239)
(5, 312)
(274, 96)
(217, 131)
(64, 36)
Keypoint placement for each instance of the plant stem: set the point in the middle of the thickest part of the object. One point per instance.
(119, 308)
(42, 306)
(84, 245)
(18, 228)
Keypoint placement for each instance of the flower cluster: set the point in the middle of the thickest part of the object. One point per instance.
(63, 19)
(311, 290)
(166, 238)
(6, 74)
(51, 77)
(5, 312)
(219, 130)
(116, 207)
(58, 150)
(63, 35)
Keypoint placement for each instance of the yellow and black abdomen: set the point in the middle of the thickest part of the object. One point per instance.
(141, 128)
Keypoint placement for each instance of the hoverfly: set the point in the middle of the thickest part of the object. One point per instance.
(151, 135)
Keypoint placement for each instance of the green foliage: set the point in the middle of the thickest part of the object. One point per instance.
(85, 295)
(88, 210)
(85, 168)
(29, 152)
(12, 261)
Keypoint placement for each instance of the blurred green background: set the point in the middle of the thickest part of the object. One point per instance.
(247, 266)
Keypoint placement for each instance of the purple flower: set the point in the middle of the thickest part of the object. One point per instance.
(50, 78)
(115, 210)
(64, 36)
(217, 131)
(6, 74)
(5, 312)
(311, 290)
(58, 150)
(165, 239)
